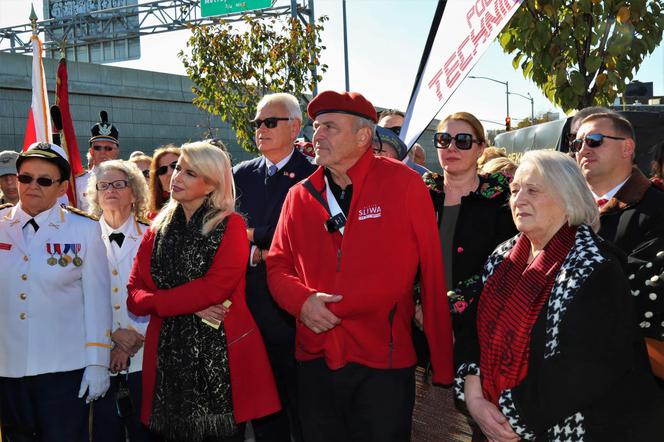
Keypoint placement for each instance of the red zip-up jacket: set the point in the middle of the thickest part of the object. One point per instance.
(390, 233)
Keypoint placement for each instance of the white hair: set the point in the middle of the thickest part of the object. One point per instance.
(286, 100)
(563, 178)
(135, 179)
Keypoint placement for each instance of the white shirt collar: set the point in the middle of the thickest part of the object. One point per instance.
(124, 228)
(41, 218)
(611, 193)
(281, 163)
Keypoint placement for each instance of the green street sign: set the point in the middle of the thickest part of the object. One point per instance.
(210, 8)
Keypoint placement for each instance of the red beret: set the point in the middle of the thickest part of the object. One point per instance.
(352, 103)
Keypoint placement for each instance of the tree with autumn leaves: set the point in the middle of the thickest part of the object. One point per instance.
(582, 52)
(233, 66)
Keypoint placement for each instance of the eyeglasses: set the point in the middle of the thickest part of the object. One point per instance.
(443, 140)
(42, 181)
(270, 122)
(98, 148)
(146, 173)
(161, 170)
(591, 140)
(117, 184)
(395, 129)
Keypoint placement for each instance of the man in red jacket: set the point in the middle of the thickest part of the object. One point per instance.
(346, 253)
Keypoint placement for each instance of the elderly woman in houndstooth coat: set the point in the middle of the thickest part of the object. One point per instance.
(556, 354)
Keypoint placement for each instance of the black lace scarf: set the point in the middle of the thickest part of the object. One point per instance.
(192, 397)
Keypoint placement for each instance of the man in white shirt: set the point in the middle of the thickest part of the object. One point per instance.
(631, 216)
(104, 146)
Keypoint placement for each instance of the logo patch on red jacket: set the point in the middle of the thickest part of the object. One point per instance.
(373, 211)
(5, 246)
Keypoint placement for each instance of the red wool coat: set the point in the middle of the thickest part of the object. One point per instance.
(390, 233)
(252, 383)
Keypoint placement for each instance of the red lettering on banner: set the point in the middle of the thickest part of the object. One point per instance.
(435, 81)
(477, 10)
(452, 70)
(465, 59)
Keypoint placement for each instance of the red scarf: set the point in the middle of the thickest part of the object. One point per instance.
(509, 306)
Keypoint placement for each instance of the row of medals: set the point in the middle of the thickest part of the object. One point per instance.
(64, 260)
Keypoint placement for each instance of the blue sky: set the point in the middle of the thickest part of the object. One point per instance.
(385, 42)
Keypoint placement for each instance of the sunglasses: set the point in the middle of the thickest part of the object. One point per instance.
(591, 140)
(270, 122)
(443, 140)
(146, 173)
(395, 129)
(42, 181)
(161, 170)
(105, 148)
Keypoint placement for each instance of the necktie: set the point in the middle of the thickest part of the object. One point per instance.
(601, 202)
(33, 223)
(118, 237)
(272, 170)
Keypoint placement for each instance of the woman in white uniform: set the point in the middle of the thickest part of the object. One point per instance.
(118, 193)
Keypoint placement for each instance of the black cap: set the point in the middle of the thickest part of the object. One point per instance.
(104, 130)
(48, 152)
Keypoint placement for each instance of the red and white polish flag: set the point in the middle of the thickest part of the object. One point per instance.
(39, 120)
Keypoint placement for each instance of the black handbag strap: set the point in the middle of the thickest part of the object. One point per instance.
(317, 195)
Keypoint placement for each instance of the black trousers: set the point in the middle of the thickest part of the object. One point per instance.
(43, 408)
(107, 425)
(355, 403)
(281, 426)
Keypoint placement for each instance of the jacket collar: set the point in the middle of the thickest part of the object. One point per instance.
(357, 173)
(630, 193)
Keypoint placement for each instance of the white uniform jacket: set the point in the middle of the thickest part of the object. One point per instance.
(53, 318)
(82, 190)
(120, 261)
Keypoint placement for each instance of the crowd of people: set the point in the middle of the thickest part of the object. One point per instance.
(181, 298)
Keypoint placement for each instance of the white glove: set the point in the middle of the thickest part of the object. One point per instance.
(97, 379)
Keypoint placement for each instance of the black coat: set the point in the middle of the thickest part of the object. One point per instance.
(588, 374)
(484, 221)
(633, 220)
(259, 199)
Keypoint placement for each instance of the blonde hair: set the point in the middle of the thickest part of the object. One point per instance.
(214, 166)
(136, 182)
(563, 178)
(499, 164)
(140, 158)
(490, 153)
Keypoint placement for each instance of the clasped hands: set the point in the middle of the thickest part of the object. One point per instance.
(127, 343)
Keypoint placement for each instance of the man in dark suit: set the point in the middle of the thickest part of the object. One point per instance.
(631, 216)
(261, 186)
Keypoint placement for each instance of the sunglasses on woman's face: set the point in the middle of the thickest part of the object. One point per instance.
(443, 140)
(42, 181)
(161, 170)
(270, 122)
(591, 140)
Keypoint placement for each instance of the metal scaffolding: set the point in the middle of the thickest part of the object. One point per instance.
(118, 24)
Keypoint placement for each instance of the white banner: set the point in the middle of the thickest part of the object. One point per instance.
(466, 30)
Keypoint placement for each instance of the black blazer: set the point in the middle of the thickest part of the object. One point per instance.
(259, 199)
(633, 220)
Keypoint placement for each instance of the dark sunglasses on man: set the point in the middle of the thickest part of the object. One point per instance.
(443, 140)
(161, 170)
(270, 122)
(99, 148)
(591, 140)
(42, 181)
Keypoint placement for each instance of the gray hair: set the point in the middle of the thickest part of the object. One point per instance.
(135, 179)
(361, 123)
(286, 100)
(563, 178)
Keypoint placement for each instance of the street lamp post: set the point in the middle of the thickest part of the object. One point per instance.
(507, 89)
(532, 105)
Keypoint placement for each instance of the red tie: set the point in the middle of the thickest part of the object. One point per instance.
(601, 202)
